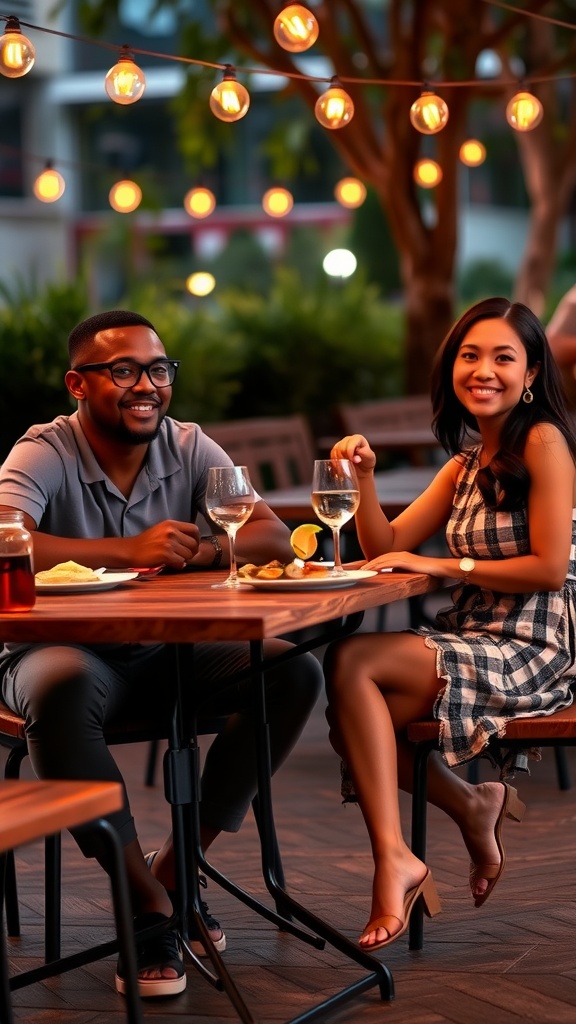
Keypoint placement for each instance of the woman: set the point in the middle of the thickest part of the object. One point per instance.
(506, 646)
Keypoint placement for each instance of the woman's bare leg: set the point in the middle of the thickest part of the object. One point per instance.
(376, 685)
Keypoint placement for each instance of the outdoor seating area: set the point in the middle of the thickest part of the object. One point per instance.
(511, 960)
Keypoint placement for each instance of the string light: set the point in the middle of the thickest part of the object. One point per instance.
(472, 153)
(429, 113)
(334, 109)
(524, 112)
(229, 101)
(199, 202)
(201, 283)
(350, 192)
(125, 196)
(427, 173)
(125, 82)
(295, 28)
(49, 185)
(277, 202)
(17, 54)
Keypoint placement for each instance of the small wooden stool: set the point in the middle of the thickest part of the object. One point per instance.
(557, 730)
(35, 809)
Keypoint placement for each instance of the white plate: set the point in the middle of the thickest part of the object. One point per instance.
(107, 582)
(352, 577)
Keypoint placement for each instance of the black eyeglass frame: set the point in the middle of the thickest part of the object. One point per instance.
(174, 363)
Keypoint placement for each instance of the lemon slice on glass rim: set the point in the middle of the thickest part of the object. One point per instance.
(303, 539)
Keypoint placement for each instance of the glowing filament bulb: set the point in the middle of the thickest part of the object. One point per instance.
(427, 173)
(49, 185)
(199, 202)
(334, 108)
(295, 28)
(350, 192)
(429, 113)
(17, 54)
(125, 196)
(229, 101)
(524, 112)
(277, 202)
(125, 82)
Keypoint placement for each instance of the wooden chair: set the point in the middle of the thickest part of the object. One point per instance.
(556, 731)
(34, 810)
(278, 451)
(393, 424)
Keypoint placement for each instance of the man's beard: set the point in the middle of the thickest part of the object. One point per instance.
(123, 433)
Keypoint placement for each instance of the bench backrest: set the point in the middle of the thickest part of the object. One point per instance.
(411, 412)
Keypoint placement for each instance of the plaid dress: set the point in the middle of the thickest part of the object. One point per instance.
(501, 655)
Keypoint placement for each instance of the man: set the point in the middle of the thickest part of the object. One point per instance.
(119, 483)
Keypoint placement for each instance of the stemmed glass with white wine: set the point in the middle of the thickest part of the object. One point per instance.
(335, 498)
(229, 502)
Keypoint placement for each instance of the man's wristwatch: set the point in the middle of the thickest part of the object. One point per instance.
(215, 542)
(467, 565)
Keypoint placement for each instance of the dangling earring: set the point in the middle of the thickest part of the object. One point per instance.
(527, 397)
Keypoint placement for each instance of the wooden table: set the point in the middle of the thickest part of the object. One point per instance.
(396, 489)
(184, 608)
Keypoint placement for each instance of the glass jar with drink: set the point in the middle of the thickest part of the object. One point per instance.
(17, 587)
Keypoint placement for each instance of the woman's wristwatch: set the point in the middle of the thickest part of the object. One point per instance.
(467, 565)
(215, 542)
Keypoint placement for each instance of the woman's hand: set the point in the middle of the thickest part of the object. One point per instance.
(358, 451)
(408, 562)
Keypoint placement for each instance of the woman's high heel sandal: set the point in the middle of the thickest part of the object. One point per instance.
(427, 890)
(512, 807)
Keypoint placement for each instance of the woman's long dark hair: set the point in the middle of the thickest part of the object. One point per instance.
(505, 482)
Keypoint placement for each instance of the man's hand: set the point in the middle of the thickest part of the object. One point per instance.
(168, 543)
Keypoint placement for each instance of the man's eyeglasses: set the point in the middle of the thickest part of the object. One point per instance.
(126, 373)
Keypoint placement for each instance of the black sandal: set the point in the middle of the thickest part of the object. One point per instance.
(159, 951)
(211, 923)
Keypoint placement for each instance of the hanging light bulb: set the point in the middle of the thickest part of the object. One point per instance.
(350, 192)
(277, 202)
(472, 153)
(199, 202)
(125, 82)
(49, 185)
(524, 112)
(229, 100)
(427, 173)
(295, 28)
(334, 108)
(429, 113)
(17, 54)
(125, 196)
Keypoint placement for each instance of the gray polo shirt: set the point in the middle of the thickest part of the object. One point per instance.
(52, 474)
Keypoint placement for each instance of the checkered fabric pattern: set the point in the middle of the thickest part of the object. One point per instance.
(501, 655)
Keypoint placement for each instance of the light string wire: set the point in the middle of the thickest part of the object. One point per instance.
(415, 83)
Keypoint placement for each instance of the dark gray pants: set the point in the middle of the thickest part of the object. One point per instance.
(69, 694)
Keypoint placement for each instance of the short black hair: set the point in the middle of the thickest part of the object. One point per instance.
(86, 330)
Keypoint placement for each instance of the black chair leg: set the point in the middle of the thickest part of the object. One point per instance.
(151, 762)
(562, 771)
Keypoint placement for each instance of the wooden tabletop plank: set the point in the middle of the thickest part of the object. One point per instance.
(32, 809)
(185, 608)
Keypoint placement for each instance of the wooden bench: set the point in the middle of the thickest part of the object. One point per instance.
(278, 451)
(391, 425)
(556, 731)
(31, 810)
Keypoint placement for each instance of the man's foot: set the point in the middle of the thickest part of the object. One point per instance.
(213, 926)
(159, 961)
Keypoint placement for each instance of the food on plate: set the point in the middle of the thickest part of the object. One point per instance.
(303, 539)
(296, 570)
(68, 572)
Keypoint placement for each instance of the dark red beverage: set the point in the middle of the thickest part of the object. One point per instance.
(17, 590)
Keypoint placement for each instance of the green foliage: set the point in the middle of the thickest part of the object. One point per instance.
(34, 327)
(309, 349)
(482, 278)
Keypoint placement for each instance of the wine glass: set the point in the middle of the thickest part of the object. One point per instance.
(335, 498)
(229, 502)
